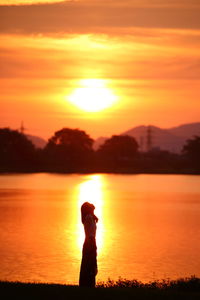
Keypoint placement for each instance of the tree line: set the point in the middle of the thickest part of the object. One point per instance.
(71, 151)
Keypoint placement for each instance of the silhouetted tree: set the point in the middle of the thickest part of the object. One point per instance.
(118, 153)
(192, 148)
(17, 153)
(191, 151)
(69, 150)
(160, 161)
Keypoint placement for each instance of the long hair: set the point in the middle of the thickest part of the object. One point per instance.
(87, 209)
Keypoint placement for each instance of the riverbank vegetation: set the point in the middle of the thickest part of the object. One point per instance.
(71, 151)
(188, 288)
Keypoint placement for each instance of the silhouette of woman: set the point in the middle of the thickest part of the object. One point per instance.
(88, 269)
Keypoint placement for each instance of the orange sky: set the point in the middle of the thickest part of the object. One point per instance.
(146, 52)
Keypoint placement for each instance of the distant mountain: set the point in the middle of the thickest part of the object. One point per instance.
(37, 141)
(172, 139)
(161, 139)
(98, 142)
(186, 130)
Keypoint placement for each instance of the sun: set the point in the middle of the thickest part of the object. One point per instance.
(92, 95)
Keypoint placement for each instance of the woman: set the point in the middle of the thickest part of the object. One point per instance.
(89, 253)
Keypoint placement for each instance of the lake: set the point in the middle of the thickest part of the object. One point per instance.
(149, 226)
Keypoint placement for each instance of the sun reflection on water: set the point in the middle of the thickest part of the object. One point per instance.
(91, 190)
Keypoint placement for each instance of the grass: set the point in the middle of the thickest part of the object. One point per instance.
(187, 288)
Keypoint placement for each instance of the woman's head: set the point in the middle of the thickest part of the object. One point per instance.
(86, 209)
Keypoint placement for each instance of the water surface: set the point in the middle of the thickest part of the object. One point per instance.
(149, 226)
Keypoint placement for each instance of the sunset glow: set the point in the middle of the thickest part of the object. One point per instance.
(91, 191)
(126, 63)
(92, 95)
(100, 103)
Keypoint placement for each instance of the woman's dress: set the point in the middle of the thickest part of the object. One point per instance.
(89, 254)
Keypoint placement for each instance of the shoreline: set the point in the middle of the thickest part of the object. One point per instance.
(98, 172)
(185, 288)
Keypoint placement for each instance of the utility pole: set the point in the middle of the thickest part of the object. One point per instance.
(149, 139)
(141, 143)
(22, 128)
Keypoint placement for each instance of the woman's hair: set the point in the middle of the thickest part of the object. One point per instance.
(87, 209)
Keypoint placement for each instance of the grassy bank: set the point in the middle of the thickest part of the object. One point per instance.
(188, 288)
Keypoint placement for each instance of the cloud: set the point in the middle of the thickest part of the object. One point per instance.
(28, 2)
(112, 57)
(92, 16)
